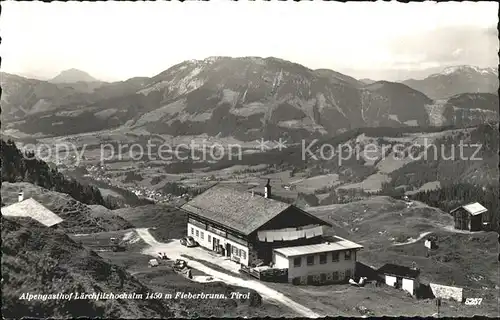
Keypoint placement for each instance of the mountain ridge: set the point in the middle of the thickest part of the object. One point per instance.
(252, 96)
(455, 80)
(73, 75)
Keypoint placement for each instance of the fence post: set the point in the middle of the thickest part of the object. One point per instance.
(438, 304)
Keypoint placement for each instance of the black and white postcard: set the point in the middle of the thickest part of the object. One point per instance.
(249, 159)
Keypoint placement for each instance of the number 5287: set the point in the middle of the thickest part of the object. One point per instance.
(473, 301)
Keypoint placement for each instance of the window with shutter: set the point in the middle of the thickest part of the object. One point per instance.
(348, 273)
(322, 258)
(347, 255)
(322, 277)
(335, 256)
(297, 261)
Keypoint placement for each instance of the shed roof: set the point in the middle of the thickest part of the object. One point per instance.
(336, 244)
(238, 210)
(472, 208)
(32, 209)
(400, 271)
(241, 211)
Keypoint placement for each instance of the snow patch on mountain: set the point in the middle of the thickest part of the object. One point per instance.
(470, 110)
(71, 113)
(257, 60)
(465, 68)
(435, 112)
(229, 96)
(393, 117)
(305, 123)
(211, 59)
(104, 114)
(200, 117)
(40, 106)
(180, 85)
(335, 104)
(307, 106)
(157, 114)
(411, 123)
(249, 109)
(155, 87)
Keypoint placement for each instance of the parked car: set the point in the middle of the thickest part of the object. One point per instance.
(189, 242)
(153, 263)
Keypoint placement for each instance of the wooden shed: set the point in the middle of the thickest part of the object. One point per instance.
(401, 277)
(469, 217)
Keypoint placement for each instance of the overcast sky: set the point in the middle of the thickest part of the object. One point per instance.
(116, 41)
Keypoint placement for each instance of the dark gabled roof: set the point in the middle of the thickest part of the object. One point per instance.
(238, 210)
(400, 271)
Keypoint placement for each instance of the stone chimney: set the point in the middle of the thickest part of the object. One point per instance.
(20, 196)
(267, 189)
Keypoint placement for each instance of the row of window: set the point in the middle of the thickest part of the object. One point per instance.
(199, 234)
(322, 258)
(240, 253)
(323, 277)
(235, 251)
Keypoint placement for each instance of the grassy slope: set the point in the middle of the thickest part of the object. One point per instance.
(377, 224)
(41, 260)
(468, 253)
(167, 221)
(378, 219)
(167, 281)
(36, 259)
(458, 258)
(346, 300)
(170, 223)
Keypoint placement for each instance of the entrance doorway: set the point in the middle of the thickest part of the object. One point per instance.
(228, 250)
(215, 244)
(399, 283)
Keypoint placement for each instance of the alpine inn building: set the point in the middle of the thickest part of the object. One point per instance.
(251, 229)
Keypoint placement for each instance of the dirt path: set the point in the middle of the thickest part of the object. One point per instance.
(452, 229)
(422, 235)
(262, 289)
(444, 227)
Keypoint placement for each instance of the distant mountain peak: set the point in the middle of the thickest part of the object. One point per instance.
(466, 68)
(73, 75)
(454, 80)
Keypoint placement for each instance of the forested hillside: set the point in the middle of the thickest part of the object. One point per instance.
(472, 177)
(452, 196)
(18, 166)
